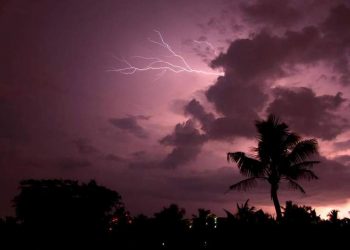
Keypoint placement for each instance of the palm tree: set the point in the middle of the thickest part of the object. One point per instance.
(333, 216)
(280, 155)
(245, 212)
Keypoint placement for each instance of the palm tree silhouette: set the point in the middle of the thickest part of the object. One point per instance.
(245, 212)
(280, 155)
(333, 216)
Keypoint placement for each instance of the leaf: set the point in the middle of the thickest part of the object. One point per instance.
(248, 166)
(303, 150)
(244, 184)
(294, 185)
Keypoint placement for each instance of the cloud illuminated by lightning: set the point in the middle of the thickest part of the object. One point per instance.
(158, 63)
(208, 45)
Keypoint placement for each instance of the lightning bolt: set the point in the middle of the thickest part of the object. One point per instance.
(209, 46)
(158, 63)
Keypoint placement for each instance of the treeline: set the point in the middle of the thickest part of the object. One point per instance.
(65, 214)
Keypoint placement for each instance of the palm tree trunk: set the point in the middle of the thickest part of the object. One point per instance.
(276, 202)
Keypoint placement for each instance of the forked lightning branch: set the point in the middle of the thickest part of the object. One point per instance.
(174, 63)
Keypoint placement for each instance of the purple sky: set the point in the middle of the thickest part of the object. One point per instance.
(162, 137)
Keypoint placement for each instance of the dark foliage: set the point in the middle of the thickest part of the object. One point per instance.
(64, 214)
(65, 211)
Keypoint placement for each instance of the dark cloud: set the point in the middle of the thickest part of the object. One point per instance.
(222, 128)
(87, 150)
(337, 37)
(84, 147)
(308, 113)
(271, 12)
(251, 66)
(131, 125)
(70, 163)
(264, 56)
(181, 155)
(337, 23)
(241, 94)
(184, 134)
(196, 110)
(238, 105)
(186, 141)
(337, 33)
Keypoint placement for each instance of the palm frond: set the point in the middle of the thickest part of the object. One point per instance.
(248, 166)
(245, 208)
(271, 125)
(291, 140)
(263, 153)
(305, 164)
(303, 150)
(244, 184)
(297, 173)
(274, 138)
(294, 185)
(306, 174)
(229, 215)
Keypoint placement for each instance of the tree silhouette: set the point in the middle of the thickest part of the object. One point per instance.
(333, 216)
(280, 155)
(245, 213)
(204, 221)
(65, 208)
(170, 225)
(294, 214)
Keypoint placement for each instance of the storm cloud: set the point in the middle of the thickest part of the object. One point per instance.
(186, 140)
(131, 125)
(272, 12)
(307, 113)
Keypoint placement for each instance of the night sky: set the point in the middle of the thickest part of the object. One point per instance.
(158, 136)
